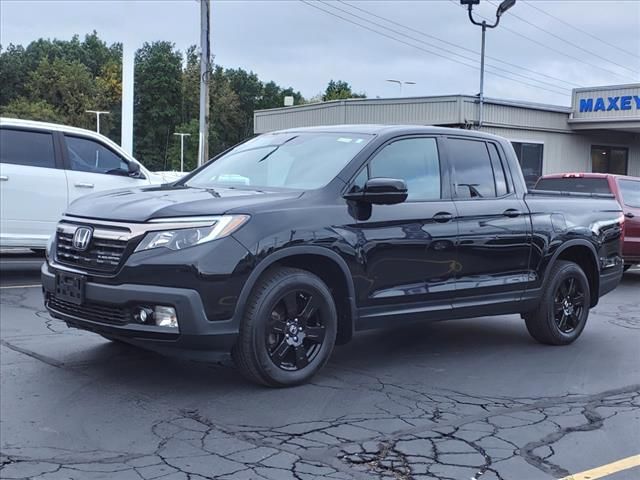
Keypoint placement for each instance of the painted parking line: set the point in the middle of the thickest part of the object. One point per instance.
(606, 470)
(22, 286)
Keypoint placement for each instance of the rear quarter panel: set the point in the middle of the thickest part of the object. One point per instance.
(560, 221)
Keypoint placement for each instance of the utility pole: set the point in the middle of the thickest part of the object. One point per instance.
(205, 69)
(98, 113)
(400, 83)
(502, 8)
(182, 135)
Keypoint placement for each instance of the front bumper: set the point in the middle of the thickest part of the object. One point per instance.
(196, 332)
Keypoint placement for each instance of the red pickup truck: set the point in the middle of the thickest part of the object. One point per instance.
(626, 190)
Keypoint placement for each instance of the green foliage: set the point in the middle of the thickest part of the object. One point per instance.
(67, 86)
(340, 90)
(190, 147)
(58, 80)
(30, 110)
(157, 101)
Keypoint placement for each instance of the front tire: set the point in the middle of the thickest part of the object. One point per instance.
(563, 310)
(288, 329)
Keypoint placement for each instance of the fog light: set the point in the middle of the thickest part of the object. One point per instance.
(165, 317)
(143, 314)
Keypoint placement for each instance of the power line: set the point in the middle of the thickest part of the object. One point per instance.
(574, 45)
(371, 22)
(436, 46)
(571, 84)
(560, 52)
(425, 50)
(530, 5)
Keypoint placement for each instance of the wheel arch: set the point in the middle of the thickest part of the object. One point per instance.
(582, 253)
(324, 263)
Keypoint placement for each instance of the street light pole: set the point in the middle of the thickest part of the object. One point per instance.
(182, 135)
(98, 113)
(400, 83)
(502, 8)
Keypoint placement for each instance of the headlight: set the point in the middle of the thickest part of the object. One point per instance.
(209, 228)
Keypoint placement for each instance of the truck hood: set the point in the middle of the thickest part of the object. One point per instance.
(163, 201)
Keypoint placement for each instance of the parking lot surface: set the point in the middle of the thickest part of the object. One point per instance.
(469, 399)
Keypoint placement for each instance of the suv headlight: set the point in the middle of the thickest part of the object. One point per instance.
(177, 238)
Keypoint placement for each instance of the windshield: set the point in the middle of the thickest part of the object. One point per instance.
(284, 160)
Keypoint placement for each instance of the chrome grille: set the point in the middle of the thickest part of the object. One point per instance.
(104, 253)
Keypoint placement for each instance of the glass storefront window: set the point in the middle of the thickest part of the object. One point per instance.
(609, 159)
(530, 158)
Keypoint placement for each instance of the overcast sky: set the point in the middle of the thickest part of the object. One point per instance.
(296, 44)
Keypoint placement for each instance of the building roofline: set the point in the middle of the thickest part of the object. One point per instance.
(487, 100)
(606, 87)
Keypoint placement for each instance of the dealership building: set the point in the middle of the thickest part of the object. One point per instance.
(600, 132)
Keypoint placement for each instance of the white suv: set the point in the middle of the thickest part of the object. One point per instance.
(44, 167)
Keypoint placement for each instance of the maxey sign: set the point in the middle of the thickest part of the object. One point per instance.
(616, 103)
(606, 104)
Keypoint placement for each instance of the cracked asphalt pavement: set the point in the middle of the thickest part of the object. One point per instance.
(469, 399)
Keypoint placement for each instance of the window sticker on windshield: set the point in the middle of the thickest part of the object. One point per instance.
(345, 140)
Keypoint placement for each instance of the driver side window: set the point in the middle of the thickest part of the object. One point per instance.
(86, 155)
(414, 160)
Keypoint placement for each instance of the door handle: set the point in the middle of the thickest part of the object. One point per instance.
(629, 215)
(512, 213)
(84, 185)
(3, 178)
(443, 217)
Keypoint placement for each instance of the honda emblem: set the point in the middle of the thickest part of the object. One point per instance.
(81, 238)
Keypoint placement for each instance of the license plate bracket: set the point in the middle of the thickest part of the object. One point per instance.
(70, 287)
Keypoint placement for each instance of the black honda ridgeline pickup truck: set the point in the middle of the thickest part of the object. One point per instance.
(287, 244)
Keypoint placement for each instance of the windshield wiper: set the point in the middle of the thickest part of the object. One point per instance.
(275, 149)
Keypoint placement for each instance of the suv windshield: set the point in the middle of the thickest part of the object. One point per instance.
(283, 160)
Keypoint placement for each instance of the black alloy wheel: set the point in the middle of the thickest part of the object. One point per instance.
(569, 304)
(295, 332)
(563, 308)
(288, 328)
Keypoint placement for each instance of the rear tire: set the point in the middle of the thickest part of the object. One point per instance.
(288, 329)
(563, 310)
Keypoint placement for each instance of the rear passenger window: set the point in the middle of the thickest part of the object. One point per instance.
(414, 160)
(23, 147)
(499, 173)
(473, 171)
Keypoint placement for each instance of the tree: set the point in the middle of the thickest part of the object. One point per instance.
(67, 86)
(30, 110)
(227, 117)
(157, 101)
(13, 73)
(190, 147)
(57, 80)
(340, 90)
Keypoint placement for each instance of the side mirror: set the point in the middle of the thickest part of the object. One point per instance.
(381, 191)
(134, 169)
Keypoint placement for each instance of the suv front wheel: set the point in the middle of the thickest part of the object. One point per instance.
(288, 329)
